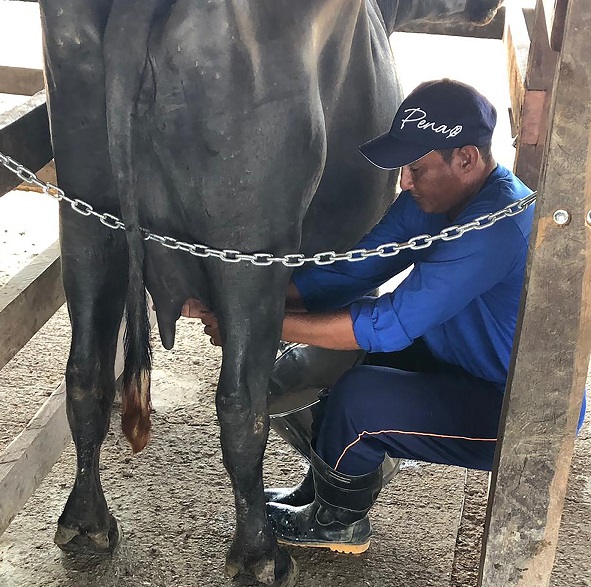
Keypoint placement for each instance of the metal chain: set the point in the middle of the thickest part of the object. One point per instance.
(416, 243)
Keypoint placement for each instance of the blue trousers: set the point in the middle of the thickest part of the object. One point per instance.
(413, 407)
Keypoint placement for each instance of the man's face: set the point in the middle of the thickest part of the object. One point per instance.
(438, 187)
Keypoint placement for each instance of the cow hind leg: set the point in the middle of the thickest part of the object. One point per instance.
(95, 283)
(94, 258)
(249, 318)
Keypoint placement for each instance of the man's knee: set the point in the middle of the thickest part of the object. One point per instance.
(348, 393)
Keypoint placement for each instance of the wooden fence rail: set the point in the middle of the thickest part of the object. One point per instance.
(28, 301)
(24, 136)
(22, 81)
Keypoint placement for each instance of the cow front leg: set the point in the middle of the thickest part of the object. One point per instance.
(94, 269)
(249, 318)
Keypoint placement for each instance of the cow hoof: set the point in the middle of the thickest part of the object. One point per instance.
(282, 573)
(71, 540)
(286, 576)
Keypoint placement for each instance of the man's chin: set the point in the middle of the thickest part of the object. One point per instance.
(424, 206)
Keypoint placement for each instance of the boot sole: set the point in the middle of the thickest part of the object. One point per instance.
(335, 547)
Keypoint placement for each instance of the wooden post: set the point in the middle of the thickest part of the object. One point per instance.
(555, 19)
(535, 104)
(552, 348)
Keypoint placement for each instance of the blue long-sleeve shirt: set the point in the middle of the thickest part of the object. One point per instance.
(462, 296)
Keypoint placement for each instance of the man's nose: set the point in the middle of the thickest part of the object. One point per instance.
(405, 178)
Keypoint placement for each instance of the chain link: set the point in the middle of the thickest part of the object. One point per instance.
(293, 260)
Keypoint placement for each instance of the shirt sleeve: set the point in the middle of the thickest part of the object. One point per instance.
(329, 287)
(450, 276)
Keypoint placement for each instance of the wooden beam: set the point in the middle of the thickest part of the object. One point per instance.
(30, 456)
(46, 174)
(541, 67)
(28, 300)
(20, 80)
(492, 30)
(553, 343)
(531, 116)
(24, 136)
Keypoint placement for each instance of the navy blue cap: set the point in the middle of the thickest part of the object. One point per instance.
(440, 114)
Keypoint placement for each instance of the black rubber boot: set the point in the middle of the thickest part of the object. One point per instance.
(300, 494)
(303, 492)
(337, 518)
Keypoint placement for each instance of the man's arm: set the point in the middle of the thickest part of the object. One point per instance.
(330, 287)
(332, 330)
(440, 286)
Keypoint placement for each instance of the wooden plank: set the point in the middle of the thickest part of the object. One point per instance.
(30, 456)
(542, 62)
(531, 116)
(553, 344)
(27, 460)
(46, 174)
(24, 136)
(28, 300)
(20, 80)
(517, 43)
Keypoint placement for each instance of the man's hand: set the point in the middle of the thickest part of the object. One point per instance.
(195, 309)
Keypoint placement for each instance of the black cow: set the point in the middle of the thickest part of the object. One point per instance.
(233, 123)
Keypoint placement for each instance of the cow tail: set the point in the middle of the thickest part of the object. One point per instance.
(125, 54)
(135, 395)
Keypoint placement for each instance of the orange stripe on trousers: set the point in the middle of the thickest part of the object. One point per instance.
(406, 432)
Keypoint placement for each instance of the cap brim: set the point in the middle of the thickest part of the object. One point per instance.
(386, 152)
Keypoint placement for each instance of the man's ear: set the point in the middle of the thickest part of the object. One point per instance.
(468, 157)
